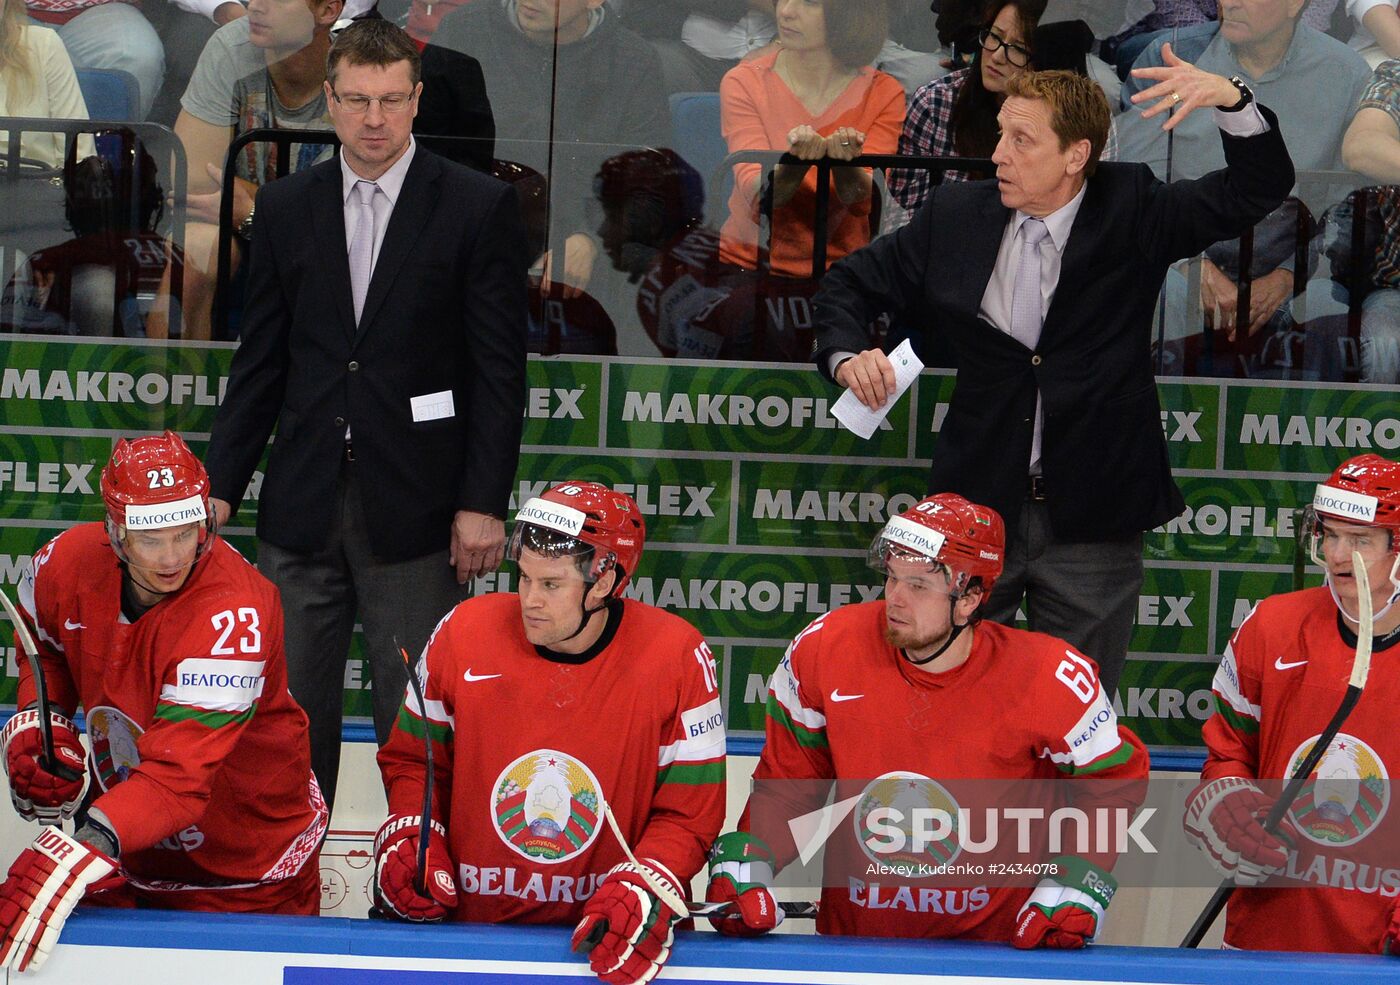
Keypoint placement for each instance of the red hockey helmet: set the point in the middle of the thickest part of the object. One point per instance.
(946, 530)
(1364, 490)
(584, 520)
(155, 482)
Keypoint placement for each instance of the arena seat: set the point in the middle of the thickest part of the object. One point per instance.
(110, 94)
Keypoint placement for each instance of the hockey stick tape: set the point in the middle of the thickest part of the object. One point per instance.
(26, 640)
(663, 892)
(1365, 623)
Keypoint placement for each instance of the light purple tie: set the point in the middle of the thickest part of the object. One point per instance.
(362, 246)
(1026, 318)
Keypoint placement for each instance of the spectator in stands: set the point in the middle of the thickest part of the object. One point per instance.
(263, 70)
(107, 34)
(36, 80)
(184, 28)
(699, 40)
(957, 114)
(814, 96)
(958, 23)
(565, 79)
(1313, 82)
(1125, 46)
(1377, 35)
(1372, 147)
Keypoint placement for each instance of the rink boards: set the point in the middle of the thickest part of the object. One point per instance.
(201, 949)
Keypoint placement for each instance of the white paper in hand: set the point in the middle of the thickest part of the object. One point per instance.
(861, 419)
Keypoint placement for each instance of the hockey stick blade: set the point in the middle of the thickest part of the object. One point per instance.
(1360, 670)
(420, 878)
(41, 692)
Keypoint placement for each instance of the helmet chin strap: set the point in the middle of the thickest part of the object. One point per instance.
(952, 636)
(585, 615)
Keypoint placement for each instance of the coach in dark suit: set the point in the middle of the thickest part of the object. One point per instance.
(384, 336)
(1044, 281)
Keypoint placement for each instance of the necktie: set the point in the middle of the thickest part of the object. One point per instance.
(1025, 312)
(362, 245)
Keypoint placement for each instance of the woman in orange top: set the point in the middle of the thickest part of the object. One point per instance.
(813, 95)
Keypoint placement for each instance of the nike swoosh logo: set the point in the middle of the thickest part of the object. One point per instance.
(469, 677)
(836, 695)
(1280, 665)
(69, 624)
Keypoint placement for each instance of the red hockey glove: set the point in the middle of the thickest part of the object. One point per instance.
(396, 864)
(632, 926)
(39, 795)
(741, 870)
(45, 883)
(1224, 817)
(1066, 910)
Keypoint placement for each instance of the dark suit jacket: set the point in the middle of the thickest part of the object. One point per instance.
(445, 311)
(1103, 451)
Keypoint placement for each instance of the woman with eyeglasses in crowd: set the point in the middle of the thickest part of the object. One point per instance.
(956, 115)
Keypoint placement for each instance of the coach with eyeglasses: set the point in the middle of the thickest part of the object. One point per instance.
(384, 337)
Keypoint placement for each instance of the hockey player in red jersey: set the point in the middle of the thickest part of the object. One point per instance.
(1281, 679)
(201, 795)
(915, 687)
(540, 706)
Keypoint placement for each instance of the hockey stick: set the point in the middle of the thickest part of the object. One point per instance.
(420, 878)
(728, 910)
(49, 761)
(1360, 668)
(668, 896)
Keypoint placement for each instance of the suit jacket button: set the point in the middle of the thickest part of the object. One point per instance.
(340, 422)
(353, 366)
(1035, 360)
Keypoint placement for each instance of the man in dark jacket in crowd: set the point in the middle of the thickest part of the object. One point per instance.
(566, 72)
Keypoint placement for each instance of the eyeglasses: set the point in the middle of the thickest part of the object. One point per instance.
(394, 102)
(1015, 53)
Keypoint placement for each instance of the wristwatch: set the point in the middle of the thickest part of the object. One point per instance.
(245, 228)
(1246, 95)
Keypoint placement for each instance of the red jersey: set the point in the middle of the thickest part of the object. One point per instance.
(199, 756)
(695, 306)
(845, 705)
(525, 748)
(1281, 679)
(41, 299)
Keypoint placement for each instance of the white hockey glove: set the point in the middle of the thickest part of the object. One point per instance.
(44, 884)
(1224, 818)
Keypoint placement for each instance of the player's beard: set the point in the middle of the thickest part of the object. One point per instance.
(904, 640)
